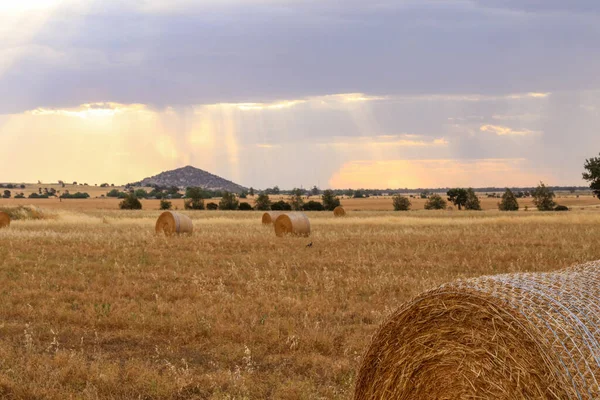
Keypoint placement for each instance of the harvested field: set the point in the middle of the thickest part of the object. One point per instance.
(95, 305)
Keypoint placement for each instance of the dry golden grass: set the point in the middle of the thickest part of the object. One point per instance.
(94, 305)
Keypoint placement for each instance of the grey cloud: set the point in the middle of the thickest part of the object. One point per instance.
(261, 51)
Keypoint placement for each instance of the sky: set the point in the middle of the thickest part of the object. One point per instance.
(296, 93)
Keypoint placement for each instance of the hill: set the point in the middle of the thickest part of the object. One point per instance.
(190, 177)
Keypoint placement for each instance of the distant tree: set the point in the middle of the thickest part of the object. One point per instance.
(425, 194)
(113, 193)
(251, 191)
(74, 182)
(281, 206)
(263, 203)
(195, 199)
(6, 194)
(276, 189)
(458, 197)
(296, 200)
(401, 203)
(19, 196)
(244, 194)
(22, 186)
(104, 185)
(141, 193)
(593, 174)
(330, 200)
(39, 190)
(212, 206)
(472, 202)
(229, 202)
(61, 183)
(435, 202)
(315, 191)
(349, 193)
(358, 194)
(313, 206)
(508, 202)
(244, 206)
(543, 198)
(165, 204)
(130, 202)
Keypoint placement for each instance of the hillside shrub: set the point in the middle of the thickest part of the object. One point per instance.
(130, 202)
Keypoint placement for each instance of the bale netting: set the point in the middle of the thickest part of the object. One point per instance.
(270, 216)
(4, 220)
(516, 336)
(171, 223)
(292, 223)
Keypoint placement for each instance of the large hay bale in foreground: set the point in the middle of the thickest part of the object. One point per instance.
(270, 216)
(171, 223)
(4, 219)
(292, 223)
(339, 212)
(518, 336)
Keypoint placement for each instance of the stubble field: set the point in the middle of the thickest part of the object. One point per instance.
(94, 305)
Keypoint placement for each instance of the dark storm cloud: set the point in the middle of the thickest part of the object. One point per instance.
(234, 51)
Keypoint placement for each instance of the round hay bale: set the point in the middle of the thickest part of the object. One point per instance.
(293, 223)
(517, 336)
(4, 220)
(339, 212)
(270, 216)
(171, 223)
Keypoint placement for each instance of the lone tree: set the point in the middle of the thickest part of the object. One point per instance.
(401, 203)
(330, 200)
(435, 202)
(509, 202)
(543, 198)
(130, 202)
(229, 202)
(472, 202)
(263, 203)
(593, 174)
(165, 204)
(195, 199)
(458, 197)
(296, 200)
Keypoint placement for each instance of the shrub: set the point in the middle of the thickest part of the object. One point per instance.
(19, 196)
(6, 194)
(330, 200)
(113, 193)
(561, 208)
(165, 204)
(280, 206)
(141, 194)
(401, 203)
(229, 202)
(543, 198)
(194, 204)
(130, 202)
(509, 202)
(472, 202)
(244, 206)
(313, 206)
(263, 203)
(435, 202)
(212, 206)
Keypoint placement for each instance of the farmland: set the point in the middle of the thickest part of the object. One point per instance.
(94, 305)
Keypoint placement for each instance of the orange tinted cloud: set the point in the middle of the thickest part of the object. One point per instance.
(435, 173)
(506, 131)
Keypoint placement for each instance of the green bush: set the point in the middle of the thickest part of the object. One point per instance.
(194, 204)
(543, 198)
(330, 200)
(509, 202)
(130, 202)
(435, 202)
(212, 206)
(245, 206)
(472, 202)
(401, 203)
(313, 206)
(229, 202)
(280, 206)
(165, 204)
(263, 203)
(561, 208)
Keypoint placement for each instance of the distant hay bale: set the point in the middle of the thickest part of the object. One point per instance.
(270, 216)
(171, 223)
(4, 220)
(339, 212)
(516, 336)
(292, 223)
